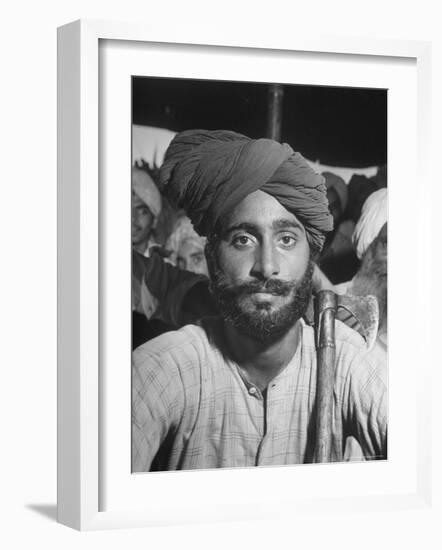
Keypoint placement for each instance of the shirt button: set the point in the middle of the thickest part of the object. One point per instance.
(252, 390)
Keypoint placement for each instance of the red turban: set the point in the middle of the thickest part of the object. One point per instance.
(208, 173)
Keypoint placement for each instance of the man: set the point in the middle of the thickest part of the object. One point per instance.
(338, 258)
(239, 390)
(169, 294)
(337, 196)
(187, 247)
(370, 241)
(146, 208)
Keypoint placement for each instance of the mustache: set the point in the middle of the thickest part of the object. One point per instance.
(276, 287)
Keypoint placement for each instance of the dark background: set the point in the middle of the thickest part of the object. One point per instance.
(344, 127)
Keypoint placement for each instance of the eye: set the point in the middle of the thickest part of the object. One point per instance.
(197, 258)
(242, 241)
(287, 241)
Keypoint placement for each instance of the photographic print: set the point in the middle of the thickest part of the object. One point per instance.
(259, 274)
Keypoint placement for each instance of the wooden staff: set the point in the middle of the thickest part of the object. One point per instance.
(326, 307)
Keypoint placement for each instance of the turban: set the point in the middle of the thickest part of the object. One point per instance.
(208, 173)
(182, 232)
(373, 217)
(145, 189)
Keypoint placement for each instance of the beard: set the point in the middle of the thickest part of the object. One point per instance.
(260, 320)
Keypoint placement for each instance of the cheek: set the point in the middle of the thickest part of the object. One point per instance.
(234, 264)
(146, 222)
(296, 262)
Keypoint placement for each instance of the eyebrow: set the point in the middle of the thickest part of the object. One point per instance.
(249, 227)
(281, 223)
(284, 223)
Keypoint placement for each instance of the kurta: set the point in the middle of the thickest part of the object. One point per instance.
(192, 408)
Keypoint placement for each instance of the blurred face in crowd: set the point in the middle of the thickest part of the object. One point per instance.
(334, 205)
(372, 275)
(191, 257)
(261, 269)
(142, 221)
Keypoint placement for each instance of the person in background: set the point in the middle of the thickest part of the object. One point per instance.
(168, 294)
(337, 196)
(359, 189)
(169, 215)
(186, 248)
(146, 209)
(338, 259)
(370, 240)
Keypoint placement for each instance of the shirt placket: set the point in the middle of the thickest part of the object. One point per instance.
(257, 408)
(265, 447)
(263, 407)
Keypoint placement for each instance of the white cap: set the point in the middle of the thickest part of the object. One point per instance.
(373, 216)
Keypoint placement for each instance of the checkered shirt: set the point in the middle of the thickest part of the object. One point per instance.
(193, 409)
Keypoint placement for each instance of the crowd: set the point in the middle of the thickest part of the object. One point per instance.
(177, 210)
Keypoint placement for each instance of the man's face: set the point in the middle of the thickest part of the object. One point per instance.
(262, 273)
(371, 277)
(191, 257)
(142, 221)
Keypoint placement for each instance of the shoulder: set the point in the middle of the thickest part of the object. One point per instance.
(177, 346)
(167, 365)
(347, 337)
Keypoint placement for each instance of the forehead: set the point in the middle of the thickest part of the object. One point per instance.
(136, 201)
(259, 209)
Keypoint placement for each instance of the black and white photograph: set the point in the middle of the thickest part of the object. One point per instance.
(259, 274)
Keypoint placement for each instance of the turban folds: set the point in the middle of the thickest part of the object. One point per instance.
(373, 217)
(208, 173)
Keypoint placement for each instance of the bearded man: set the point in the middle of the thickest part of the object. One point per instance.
(239, 389)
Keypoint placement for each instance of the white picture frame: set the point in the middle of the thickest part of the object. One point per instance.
(81, 293)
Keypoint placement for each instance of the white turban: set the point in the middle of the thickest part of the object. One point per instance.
(183, 231)
(373, 217)
(144, 187)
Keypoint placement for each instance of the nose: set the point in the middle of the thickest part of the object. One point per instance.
(266, 263)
